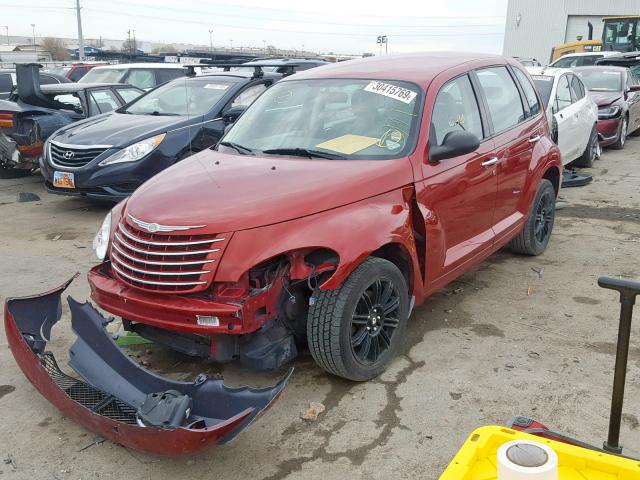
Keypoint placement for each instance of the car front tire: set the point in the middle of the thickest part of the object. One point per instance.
(355, 331)
(535, 235)
(622, 135)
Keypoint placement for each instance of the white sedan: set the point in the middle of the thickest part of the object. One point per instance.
(571, 112)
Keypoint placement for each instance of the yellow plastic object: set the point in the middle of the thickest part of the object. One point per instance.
(477, 459)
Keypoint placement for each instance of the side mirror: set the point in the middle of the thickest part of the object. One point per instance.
(454, 145)
(233, 113)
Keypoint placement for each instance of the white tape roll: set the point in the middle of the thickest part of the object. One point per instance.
(527, 460)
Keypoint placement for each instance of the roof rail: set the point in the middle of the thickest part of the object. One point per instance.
(257, 67)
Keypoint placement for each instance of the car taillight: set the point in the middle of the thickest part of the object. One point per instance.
(6, 119)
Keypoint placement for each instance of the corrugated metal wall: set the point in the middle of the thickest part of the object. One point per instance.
(533, 27)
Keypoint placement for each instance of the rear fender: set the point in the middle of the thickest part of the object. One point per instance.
(353, 231)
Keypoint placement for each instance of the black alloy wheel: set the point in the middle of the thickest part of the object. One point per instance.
(375, 320)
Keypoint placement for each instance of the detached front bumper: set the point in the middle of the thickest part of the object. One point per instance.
(115, 396)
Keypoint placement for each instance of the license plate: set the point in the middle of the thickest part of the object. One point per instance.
(63, 180)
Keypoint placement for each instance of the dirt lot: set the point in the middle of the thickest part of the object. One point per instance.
(517, 335)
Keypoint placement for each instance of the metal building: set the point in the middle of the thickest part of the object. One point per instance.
(533, 27)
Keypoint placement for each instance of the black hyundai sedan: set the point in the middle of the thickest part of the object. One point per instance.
(108, 156)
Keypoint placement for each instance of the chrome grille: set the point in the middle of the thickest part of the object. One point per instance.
(164, 262)
(72, 156)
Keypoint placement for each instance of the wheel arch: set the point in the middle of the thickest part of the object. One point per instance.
(553, 175)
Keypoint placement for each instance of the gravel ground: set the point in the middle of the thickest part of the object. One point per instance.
(516, 335)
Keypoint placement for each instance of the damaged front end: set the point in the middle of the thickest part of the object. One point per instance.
(115, 397)
(27, 121)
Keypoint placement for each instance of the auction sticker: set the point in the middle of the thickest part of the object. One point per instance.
(392, 91)
(216, 86)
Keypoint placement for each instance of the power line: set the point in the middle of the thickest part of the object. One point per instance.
(247, 27)
(315, 21)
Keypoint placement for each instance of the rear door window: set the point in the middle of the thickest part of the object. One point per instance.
(106, 100)
(503, 98)
(141, 78)
(455, 109)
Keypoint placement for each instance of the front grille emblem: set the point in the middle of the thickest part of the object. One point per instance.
(156, 227)
(69, 155)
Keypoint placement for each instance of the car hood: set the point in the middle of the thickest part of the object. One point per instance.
(230, 192)
(119, 129)
(604, 99)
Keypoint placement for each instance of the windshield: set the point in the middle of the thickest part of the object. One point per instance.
(335, 118)
(601, 80)
(104, 75)
(576, 61)
(181, 97)
(544, 85)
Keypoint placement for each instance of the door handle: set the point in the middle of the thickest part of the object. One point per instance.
(490, 163)
(534, 139)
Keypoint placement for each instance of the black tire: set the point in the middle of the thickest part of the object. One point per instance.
(590, 152)
(535, 235)
(343, 323)
(622, 135)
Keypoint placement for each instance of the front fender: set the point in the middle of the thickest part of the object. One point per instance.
(352, 231)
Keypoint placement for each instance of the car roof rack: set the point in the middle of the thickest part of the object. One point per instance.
(257, 67)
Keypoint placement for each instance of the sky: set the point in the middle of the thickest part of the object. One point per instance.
(328, 26)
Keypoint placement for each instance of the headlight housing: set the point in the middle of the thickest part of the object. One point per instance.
(134, 152)
(101, 240)
(609, 112)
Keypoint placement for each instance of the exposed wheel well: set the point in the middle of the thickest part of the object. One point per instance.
(553, 175)
(396, 254)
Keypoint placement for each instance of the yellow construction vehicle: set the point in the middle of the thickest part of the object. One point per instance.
(619, 34)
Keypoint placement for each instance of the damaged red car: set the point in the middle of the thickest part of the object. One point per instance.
(339, 200)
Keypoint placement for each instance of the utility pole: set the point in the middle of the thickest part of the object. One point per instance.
(211, 40)
(80, 39)
(33, 29)
(231, 42)
(129, 42)
(135, 44)
(264, 46)
(6, 27)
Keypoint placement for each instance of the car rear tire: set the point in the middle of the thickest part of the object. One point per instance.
(622, 135)
(354, 331)
(535, 235)
(590, 152)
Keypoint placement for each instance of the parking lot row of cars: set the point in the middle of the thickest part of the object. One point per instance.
(313, 209)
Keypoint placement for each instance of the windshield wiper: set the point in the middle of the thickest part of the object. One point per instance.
(238, 148)
(162, 114)
(304, 152)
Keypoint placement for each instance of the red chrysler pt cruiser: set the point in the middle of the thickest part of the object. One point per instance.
(336, 203)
